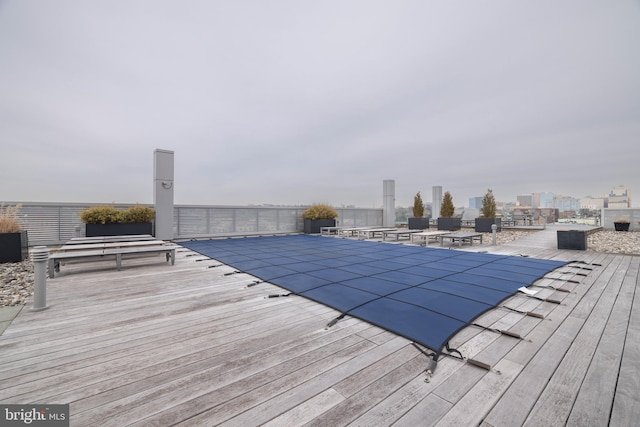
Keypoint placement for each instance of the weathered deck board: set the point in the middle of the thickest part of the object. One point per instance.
(156, 344)
(626, 405)
(554, 404)
(593, 403)
(542, 353)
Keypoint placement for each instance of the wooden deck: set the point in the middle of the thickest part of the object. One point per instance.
(155, 344)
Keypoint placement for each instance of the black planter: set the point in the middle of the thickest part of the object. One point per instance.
(451, 224)
(621, 226)
(418, 223)
(119, 229)
(572, 239)
(312, 226)
(483, 225)
(14, 247)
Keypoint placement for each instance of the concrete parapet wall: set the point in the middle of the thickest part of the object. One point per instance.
(610, 215)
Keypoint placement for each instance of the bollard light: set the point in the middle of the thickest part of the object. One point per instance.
(40, 256)
(494, 229)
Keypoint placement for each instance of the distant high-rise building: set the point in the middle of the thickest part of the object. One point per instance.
(535, 200)
(436, 200)
(546, 200)
(619, 197)
(592, 203)
(475, 202)
(566, 203)
(525, 200)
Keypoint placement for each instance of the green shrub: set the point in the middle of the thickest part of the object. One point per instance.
(447, 209)
(9, 219)
(319, 211)
(488, 205)
(139, 214)
(418, 206)
(101, 215)
(111, 215)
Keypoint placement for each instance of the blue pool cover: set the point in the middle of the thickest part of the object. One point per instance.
(423, 294)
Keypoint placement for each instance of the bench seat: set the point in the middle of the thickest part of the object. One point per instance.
(102, 253)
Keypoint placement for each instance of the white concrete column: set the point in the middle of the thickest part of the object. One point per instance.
(388, 203)
(163, 193)
(436, 201)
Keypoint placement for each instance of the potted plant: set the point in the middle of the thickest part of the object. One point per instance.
(14, 242)
(317, 216)
(446, 221)
(418, 222)
(488, 215)
(109, 221)
(621, 224)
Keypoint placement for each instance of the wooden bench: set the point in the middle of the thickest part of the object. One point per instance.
(328, 231)
(351, 231)
(370, 233)
(100, 253)
(398, 233)
(461, 238)
(425, 236)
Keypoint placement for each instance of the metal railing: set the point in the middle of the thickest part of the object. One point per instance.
(56, 223)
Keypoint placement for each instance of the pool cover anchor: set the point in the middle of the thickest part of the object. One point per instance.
(232, 273)
(334, 321)
(502, 331)
(255, 282)
(433, 359)
(525, 313)
(280, 295)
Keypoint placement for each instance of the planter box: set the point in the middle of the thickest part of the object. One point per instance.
(312, 226)
(418, 223)
(14, 247)
(451, 224)
(572, 239)
(119, 229)
(483, 225)
(621, 226)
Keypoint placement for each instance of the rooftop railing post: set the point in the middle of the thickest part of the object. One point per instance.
(39, 256)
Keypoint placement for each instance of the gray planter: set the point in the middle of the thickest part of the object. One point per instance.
(483, 225)
(418, 223)
(312, 226)
(119, 229)
(572, 239)
(451, 224)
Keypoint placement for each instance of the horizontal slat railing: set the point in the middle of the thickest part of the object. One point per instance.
(50, 223)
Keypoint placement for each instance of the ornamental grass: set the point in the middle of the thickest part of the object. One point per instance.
(9, 218)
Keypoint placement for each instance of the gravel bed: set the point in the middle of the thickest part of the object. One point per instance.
(16, 279)
(614, 242)
(16, 282)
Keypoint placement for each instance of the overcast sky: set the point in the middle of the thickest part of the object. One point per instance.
(295, 102)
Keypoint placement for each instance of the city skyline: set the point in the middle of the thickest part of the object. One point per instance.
(292, 103)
